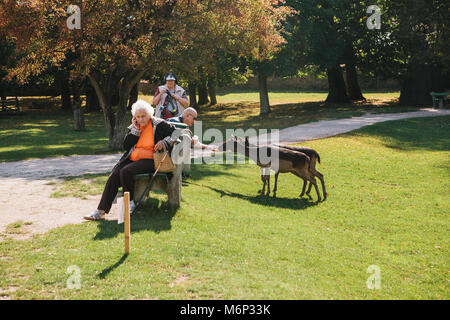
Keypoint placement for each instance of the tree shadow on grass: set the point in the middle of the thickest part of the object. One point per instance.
(152, 216)
(286, 203)
(200, 171)
(242, 114)
(204, 170)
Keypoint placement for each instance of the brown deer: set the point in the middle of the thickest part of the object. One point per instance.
(311, 153)
(277, 159)
(314, 156)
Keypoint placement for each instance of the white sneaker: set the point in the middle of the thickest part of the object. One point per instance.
(95, 215)
(132, 206)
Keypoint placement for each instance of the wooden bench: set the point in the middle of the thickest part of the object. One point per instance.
(10, 107)
(439, 98)
(170, 183)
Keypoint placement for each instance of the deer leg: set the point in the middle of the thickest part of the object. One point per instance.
(322, 181)
(264, 186)
(268, 184)
(312, 168)
(276, 184)
(313, 181)
(298, 174)
(263, 179)
(304, 187)
(309, 189)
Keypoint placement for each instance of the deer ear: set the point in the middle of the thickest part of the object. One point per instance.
(233, 137)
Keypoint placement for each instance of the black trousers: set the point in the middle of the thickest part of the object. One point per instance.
(123, 176)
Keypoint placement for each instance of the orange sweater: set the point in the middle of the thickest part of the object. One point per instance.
(145, 145)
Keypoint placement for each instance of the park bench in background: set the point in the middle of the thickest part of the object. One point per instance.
(170, 183)
(439, 98)
(10, 107)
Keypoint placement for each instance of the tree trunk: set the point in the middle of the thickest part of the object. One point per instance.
(202, 93)
(192, 88)
(66, 103)
(133, 96)
(417, 85)
(79, 119)
(116, 87)
(353, 89)
(116, 142)
(2, 92)
(77, 111)
(3, 96)
(336, 86)
(202, 89)
(104, 94)
(125, 90)
(110, 122)
(351, 76)
(92, 104)
(212, 90)
(263, 94)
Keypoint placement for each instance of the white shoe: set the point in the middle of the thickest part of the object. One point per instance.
(95, 215)
(132, 206)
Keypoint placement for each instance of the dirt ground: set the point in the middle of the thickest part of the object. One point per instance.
(29, 202)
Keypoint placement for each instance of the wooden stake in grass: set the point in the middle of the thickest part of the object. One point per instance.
(126, 220)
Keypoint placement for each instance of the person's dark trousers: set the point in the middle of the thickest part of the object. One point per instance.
(123, 176)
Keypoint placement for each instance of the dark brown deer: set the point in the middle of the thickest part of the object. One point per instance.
(314, 156)
(283, 161)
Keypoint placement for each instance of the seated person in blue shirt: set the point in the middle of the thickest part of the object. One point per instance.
(188, 117)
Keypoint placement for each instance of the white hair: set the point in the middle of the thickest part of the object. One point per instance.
(142, 105)
(190, 110)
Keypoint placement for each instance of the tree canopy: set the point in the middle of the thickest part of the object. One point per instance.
(224, 41)
(120, 40)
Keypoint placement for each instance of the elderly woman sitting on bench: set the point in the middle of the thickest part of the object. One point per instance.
(146, 135)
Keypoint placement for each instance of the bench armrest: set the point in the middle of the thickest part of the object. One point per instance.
(181, 152)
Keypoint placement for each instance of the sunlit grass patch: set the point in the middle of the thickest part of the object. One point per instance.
(80, 187)
(42, 134)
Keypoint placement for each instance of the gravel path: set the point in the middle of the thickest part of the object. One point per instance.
(25, 186)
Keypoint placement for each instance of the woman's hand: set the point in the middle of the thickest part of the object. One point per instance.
(159, 146)
(134, 123)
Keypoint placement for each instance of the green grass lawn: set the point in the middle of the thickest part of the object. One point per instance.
(49, 134)
(292, 96)
(43, 133)
(388, 206)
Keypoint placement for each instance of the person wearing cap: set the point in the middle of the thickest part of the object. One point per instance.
(170, 99)
(146, 135)
(188, 117)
